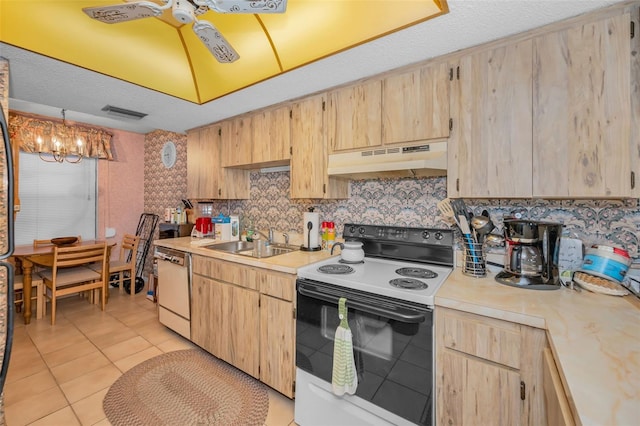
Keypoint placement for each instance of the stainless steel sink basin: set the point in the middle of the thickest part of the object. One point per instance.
(247, 249)
(232, 246)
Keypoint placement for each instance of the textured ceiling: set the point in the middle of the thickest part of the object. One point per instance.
(43, 85)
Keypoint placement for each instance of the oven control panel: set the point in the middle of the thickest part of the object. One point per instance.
(400, 234)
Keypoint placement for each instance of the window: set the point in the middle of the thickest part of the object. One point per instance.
(57, 199)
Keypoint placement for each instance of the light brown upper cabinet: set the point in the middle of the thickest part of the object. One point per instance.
(202, 152)
(271, 137)
(308, 174)
(415, 105)
(236, 141)
(489, 150)
(206, 179)
(354, 117)
(583, 145)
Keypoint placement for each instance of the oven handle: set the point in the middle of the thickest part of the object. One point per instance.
(399, 314)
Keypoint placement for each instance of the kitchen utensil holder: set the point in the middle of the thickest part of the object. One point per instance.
(474, 260)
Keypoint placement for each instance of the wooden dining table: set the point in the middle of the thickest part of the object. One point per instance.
(43, 256)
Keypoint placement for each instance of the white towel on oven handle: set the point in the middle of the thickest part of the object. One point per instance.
(344, 378)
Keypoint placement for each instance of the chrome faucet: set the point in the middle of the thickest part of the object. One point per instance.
(286, 238)
(260, 234)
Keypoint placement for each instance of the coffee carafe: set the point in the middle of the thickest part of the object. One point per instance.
(531, 256)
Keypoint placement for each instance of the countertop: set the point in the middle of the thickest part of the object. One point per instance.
(287, 263)
(595, 340)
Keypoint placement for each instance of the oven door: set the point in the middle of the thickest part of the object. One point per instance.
(392, 341)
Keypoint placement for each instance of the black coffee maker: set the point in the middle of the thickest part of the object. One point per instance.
(531, 257)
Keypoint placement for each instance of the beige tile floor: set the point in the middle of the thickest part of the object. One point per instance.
(59, 375)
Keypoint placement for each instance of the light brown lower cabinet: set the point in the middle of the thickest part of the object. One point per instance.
(244, 316)
(488, 371)
(277, 350)
(556, 403)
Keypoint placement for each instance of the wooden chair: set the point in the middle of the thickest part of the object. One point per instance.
(70, 273)
(37, 294)
(126, 262)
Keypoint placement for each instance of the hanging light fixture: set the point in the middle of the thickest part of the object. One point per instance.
(60, 143)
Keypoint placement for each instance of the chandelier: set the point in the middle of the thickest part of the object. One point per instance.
(56, 144)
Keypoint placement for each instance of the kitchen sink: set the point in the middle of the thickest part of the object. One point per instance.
(246, 248)
(232, 246)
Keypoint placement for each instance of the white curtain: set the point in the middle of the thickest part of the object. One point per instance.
(57, 199)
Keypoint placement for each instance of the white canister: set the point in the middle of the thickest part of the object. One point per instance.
(225, 231)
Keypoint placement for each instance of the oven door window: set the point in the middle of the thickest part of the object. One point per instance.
(393, 358)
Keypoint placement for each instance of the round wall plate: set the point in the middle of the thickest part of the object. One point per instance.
(168, 154)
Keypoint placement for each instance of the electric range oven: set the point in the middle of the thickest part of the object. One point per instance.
(390, 299)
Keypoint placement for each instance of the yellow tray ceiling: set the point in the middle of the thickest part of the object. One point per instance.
(165, 55)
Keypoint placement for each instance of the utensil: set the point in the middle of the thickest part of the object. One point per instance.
(447, 211)
(482, 225)
(309, 227)
(459, 207)
(494, 240)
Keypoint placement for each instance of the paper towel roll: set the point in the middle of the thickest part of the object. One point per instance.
(311, 236)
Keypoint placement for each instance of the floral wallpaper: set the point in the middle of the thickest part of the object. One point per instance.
(412, 202)
(403, 202)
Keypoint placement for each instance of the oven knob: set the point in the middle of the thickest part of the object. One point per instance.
(361, 230)
(439, 236)
(352, 229)
(426, 235)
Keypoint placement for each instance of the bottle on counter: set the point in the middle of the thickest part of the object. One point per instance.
(248, 227)
(331, 235)
(325, 235)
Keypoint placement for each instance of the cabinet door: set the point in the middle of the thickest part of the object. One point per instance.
(557, 405)
(354, 119)
(308, 174)
(271, 137)
(582, 122)
(476, 392)
(277, 344)
(241, 327)
(415, 105)
(203, 159)
(206, 316)
(236, 142)
(490, 146)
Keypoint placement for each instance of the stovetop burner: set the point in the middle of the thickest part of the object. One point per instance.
(335, 269)
(408, 284)
(416, 272)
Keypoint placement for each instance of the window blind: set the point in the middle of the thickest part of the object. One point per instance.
(57, 199)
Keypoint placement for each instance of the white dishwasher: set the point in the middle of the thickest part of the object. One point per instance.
(174, 290)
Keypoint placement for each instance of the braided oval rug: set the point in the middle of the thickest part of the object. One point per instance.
(187, 387)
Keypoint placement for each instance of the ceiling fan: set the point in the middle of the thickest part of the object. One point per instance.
(185, 11)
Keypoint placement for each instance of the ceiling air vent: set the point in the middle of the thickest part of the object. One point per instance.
(124, 113)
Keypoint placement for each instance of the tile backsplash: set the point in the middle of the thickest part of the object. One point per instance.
(412, 202)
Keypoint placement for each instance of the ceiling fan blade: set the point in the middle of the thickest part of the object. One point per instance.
(125, 12)
(246, 6)
(215, 42)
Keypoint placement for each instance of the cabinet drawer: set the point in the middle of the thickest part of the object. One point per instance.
(229, 272)
(487, 338)
(276, 284)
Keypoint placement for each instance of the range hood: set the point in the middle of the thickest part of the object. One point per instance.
(391, 162)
